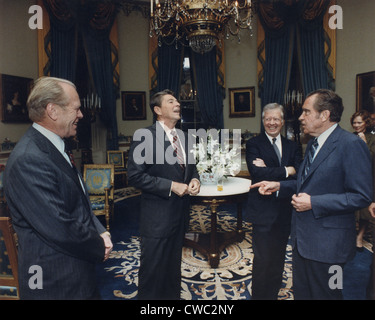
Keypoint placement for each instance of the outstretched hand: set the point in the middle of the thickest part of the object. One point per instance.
(266, 188)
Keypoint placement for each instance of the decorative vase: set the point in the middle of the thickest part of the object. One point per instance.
(208, 178)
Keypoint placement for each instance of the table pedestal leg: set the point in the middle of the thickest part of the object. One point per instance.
(214, 254)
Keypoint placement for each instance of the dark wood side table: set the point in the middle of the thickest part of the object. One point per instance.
(235, 190)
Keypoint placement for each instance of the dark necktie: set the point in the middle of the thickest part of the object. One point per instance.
(310, 158)
(276, 149)
(71, 157)
(177, 149)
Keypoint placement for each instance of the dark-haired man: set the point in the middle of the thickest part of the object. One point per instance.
(166, 184)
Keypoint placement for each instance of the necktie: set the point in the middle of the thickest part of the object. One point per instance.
(177, 149)
(276, 149)
(310, 158)
(71, 158)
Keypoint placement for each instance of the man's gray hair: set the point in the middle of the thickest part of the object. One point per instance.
(273, 106)
(46, 90)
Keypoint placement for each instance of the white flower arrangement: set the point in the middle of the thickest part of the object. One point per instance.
(216, 158)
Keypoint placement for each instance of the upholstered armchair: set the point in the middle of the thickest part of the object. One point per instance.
(99, 179)
(2, 196)
(118, 159)
(9, 288)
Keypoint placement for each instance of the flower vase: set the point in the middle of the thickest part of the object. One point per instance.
(208, 178)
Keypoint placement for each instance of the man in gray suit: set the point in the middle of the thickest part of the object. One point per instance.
(157, 165)
(60, 239)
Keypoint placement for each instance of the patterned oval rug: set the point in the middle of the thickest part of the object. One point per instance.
(230, 281)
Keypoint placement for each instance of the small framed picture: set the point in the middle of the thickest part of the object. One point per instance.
(14, 92)
(133, 105)
(365, 91)
(242, 102)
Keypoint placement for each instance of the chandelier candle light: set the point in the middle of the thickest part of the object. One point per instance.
(92, 104)
(202, 22)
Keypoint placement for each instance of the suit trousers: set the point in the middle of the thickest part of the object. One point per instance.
(311, 279)
(269, 246)
(160, 267)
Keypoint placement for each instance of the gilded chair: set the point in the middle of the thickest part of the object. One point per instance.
(118, 159)
(99, 179)
(9, 288)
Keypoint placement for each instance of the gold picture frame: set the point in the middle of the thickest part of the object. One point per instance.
(14, 91)
(133, 105)
(242, 102)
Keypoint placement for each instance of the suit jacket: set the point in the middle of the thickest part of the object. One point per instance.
(265, 210)
(53, 220)
(162, 211)
(339, 182)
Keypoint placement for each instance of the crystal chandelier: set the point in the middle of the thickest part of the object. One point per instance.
(203, 22)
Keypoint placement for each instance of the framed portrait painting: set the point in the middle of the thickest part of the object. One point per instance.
(133, 105)
(242, 102)
(14, 92)
(365, 91)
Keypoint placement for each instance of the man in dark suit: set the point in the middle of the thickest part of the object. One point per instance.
(269, 215)
(166, 180)
(59, 238)
(334, 180)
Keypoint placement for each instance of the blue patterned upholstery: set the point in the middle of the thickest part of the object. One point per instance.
(116, 158)
(99, 181)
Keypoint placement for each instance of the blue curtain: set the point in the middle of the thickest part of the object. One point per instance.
(94, 20)
(279, 53)
(63, 38)
(98, 52)
(169, 67)
(315, 74)
(210, 94)
(283, 22)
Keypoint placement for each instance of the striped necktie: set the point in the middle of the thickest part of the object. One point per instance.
(310, 158)
(71, 157)
(177, 149)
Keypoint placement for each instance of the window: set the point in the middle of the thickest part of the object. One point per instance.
(190, 113)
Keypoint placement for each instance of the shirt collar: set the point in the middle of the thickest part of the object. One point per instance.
(324, 136)
(51, 136)
(166, 129)
(270, 138)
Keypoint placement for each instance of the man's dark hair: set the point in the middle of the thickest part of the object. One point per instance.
(156, 99)
(328, 100)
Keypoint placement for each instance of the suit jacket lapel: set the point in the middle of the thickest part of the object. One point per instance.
(271, 151)
(285, 152)
(56, 157)
(162, 141)
(327, 148)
